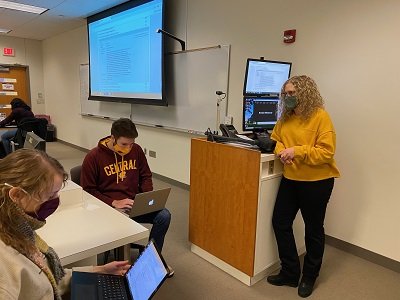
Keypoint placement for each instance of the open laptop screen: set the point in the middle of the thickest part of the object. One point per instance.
(148, 273)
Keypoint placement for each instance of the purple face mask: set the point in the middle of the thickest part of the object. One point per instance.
(46, 209)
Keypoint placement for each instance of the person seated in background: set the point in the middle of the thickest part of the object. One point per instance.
(116, 170)
(29, 184)
(19, 111)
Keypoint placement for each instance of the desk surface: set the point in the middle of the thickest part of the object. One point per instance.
(87, 229)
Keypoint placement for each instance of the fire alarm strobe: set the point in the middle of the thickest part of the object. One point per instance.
(289, 36)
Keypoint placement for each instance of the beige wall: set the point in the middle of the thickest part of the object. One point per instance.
(27, 53)
(349, 47)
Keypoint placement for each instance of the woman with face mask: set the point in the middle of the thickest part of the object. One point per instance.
(305, 143)
(29, 184)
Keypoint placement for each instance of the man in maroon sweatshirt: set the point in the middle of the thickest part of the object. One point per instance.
(117, 169)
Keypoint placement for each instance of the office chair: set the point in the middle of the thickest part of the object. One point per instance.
(75, 173)
(35, 125)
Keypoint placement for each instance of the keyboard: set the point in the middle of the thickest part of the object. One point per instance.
(111, 287)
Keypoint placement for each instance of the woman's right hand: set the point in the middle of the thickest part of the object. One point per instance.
(114, 268)
(286, 156)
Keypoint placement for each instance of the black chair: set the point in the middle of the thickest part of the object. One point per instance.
(75, 173)
(35, 125)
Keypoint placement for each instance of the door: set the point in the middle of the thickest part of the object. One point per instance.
(14, 83)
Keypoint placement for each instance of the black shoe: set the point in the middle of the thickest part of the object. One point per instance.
(306, 287)
(280, 279)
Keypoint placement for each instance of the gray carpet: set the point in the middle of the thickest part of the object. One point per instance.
(343, 276)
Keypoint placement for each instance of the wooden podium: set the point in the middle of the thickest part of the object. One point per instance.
(232, 196)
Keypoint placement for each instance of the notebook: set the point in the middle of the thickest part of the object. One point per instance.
(140, 282)
(149, 202)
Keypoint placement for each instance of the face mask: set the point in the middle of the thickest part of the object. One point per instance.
(290, 102)
(46, 209)
(122, 150)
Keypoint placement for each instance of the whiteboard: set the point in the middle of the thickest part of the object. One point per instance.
(192, 78)
(109, 110)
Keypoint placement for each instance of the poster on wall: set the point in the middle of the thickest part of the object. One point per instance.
(6, 93)
(7, 86)
(12, 80)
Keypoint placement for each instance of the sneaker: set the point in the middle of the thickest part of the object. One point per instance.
(171, 272)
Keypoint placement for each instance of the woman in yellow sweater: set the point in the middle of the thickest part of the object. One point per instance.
(305, 143)
(29, 184)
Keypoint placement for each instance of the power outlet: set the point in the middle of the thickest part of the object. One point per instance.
(152, 153)
(145, 151)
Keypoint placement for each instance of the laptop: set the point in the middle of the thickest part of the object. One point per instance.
(140, 282)
(149, 202)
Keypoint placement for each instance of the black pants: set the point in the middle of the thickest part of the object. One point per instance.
(311, 197)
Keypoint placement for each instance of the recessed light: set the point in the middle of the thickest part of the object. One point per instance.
(22, 7)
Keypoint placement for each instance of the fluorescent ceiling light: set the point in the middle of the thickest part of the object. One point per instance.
(4, 30)
(22, 7)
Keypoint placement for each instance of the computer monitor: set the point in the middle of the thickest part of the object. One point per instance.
(259, 114)
(32, 141)
(264, 78)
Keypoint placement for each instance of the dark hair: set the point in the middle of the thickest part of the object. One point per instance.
(18, 102)
(124, 127)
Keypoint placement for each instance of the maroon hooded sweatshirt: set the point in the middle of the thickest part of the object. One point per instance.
(110, 176)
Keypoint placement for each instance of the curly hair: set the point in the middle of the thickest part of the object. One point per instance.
(33, 171)
(308, 97)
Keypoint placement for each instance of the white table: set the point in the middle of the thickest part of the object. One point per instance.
(84, 226)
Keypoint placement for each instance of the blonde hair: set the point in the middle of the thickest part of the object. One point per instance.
(33, 171)
(308, 97)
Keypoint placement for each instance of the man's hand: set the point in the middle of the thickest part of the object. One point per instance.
(123, 204)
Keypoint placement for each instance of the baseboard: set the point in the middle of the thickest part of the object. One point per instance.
(155, 175)
(73, 146)
(364, 253)
(172, 181)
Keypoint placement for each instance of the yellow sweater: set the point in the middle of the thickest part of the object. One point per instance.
(314, 142)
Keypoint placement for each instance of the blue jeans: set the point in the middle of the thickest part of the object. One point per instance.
(160, 220)
(6, 137)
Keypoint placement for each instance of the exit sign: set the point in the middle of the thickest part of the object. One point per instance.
(8, 52)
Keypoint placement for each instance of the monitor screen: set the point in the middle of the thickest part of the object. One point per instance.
(259, 113)
(147, 274)
(265, 77)
(126, 53)
(33, 141)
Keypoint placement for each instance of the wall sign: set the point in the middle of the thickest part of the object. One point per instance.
(8, 52)
(7, 86)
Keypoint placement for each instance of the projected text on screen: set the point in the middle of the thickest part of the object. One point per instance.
(125, 53)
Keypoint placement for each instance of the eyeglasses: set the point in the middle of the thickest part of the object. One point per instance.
(288, 93)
